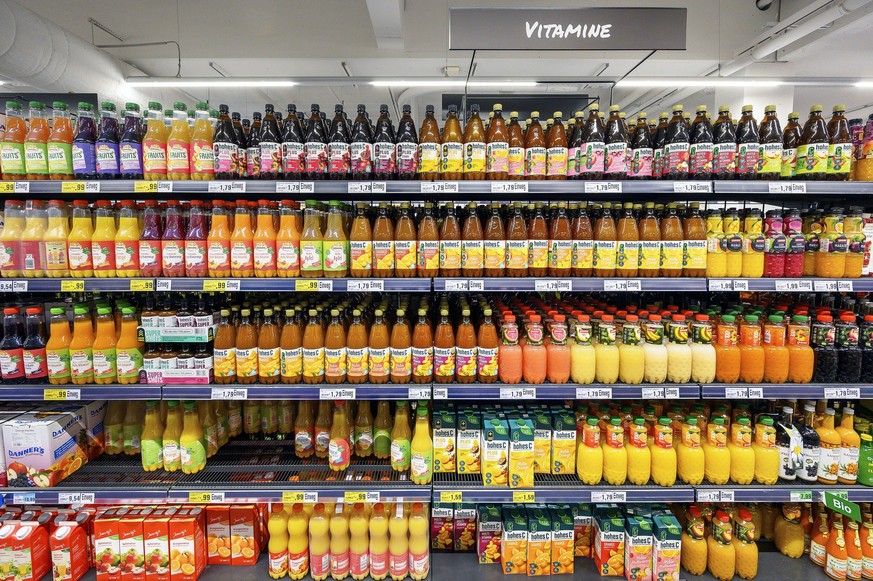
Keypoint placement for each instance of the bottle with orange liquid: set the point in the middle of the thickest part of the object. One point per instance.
(224, 350)
(242, 242)
(59, 144)
(472, 243)
(335, 354)
(291, 349)
(288, 240)
(379, 350)
(383, 244)
(357, 350)
(12, 144)
(466, 349)
(179, 145)
(450, 243)
(269, 352)
(264, 243)
(304, 431)
(401, 349)
(335, 244)
(405, 244)
(422, 349)
(202, 154)
(218, 242)
(36, 143)
(246, 349)
(313, 349)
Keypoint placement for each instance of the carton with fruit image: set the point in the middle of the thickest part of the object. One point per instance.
(43, 449)
(465, 527)
(495, 450)
(218, 534)
(156, 544)
(108, 559)
(489, 532)
(563, 442)
(543, 441)
(667, 548)
(521, 451)
(638, 542)
(469, 435)
(244, 545)
(187, 544)
(6, 531)
(30, 552)
(539, 541)
(513, 543)
(69, 550)
(562, 540)
(609, 541)
(130, 545)
(444, 439)
(582, 529)
(441, 516)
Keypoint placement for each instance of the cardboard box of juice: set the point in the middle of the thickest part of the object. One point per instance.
(156, 544)
(513, 543)
(441, 526)
(563, 442)
(130, 544)
(539, 541)
(465, 527)
(69, 550)
(495, 450)
(667, 548)
(91, 414)
(638, 542)
(609, 541)
(43, 449)
(218, 534)
(563, 531)
(469, 436)
(444, 439)
(244, 527)
(187, 544)
(489, 532)
(106, 545)
(521, 452)
(542, 441)
(29, 544)
(5, 416)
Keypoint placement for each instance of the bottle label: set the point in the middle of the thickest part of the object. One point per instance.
(84, 158)
(304, 441)
(535, 161)
(316, 157)
(225, 157)
(154, 158)
(31, 251)
(583, 254)
(516, 161)
(335, 255)
(472, 254)
(497, 157)
(81, 363)
(202, 157)
(594, 157)
(358, 362)
(288, 255)
(58, 363)
(835, 567)
(724, 158)
(538, 253)
(253, 162)
(12, 157)
(36, 158)
(451, 158)
(421, 465)
(269, 361)
(241, 254)
(383, 254)
(384, 157)
(361, 157)
(839, 158)
(640, 163)
(310, 255)
(335, 362)
(291, 362)
(474, 157)
(55, 255)
(107, 157)
(650, 255)
(379, 362)
(172, 254)
(444, 361)
(193, 455)
(319, 565)
(378, 565)
(770, 158)
(104, 363)
(561, 254)
(361, 252)
(195, 255)
(60, 158)
(219, 254)
(278, 563)
(486, 365)
(10, 255)
(495, 254)
(574, 161)
(700, 157)
(128, 362)
(35, 364)
(671, 254)
(313, 362)
(517, 255)
(616, 158)
(338, 454)
(676, 158)
(422, 361)
(401, 361)
(419, 564)
(178, 157)
(404, 254)
(604, 254)
(400, 450)
(466, 361)
(126, 255)
(812, 158)
(429, 157)
(359, 564)
(450, 254)
(848, 463)
(747, 158)
(428, 254)
(556, 161)
(271, 160)
(246, 362)
(130, 156)
(789, 163)
(658, 162)
(407, 158)
(627, 254)
(694, 255)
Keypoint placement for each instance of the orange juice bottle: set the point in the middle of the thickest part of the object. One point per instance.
(339, 543)
(422, 350)
(242, 243)
(12, 144)
(128, 349)
(81, 358)
(264, 242)
(378, 528)
(472, 244)
(854, 554)
(311, 243)
(179, 145)
(450, 243)
(335, 364)
(335, 245)
(11, 258)
(57, 349)
(428, 250)
(202, 155)
(419, 553)
(35, 224)
(35, 144)
(54, 241)
(127, 241)
(288, 240)
(103, 348)
(359, 543)
(361, 243)
(313, 350)
(246, 349)
(836, 560)
(339, 450)
(154, 144)
(269, 355)
(319, 544)
(291, 350)
(405, 244)
(102, 253)
(466, 351)
(379, 350)
(224, 350)
(79, 241)
(401, 350)
(383, 244)
(59, 147)
(218, 242)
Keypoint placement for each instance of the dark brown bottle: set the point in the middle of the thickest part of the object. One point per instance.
(535, 149)
(452, 154)
(474, 146)
(790, 142)
(241, 143)
(677, 143)
(840, 146)
(406, 151)
(701, 146)
(270, 146)
(641, 152)
(516, 165)
(315, 147)
(361, 147)
(429, 147)
(724, 147)
(338, 150)
(594, 144)
(575, 148)
(556, 149)
(384, 147)
(253, 153)
(812, 153)
(770, 151)
(224, 146)
(293, 158)
(659, 136)
(748, 144)
(615, 156)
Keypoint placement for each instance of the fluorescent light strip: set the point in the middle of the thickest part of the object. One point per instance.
(452, 84)
(702, 82)
(171, 82)
(864, 84)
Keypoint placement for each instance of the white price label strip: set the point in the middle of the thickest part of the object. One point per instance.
(75, 498)
(736, 392)
(553, 285)
(441, 393)
(602, 187)
(653, 393)
(787, 187)
(508, 187)
(842, 393)
(366, 285)
(793, 285)
(593, 393)
(518, 393)
(439, 187)
(419, 393)
(721, 285)
(608, 496)
(337, 393)
(223, 393)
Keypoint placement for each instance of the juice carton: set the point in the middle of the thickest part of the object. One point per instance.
(444, 439)
(638, 541)
(4, 417)
(187, 544)
(489, 532)
(85, 518)
(563, 442)
(218, 534)
(244, 549)
(30, 551)
(42, 450)
(156, 543)
(667, 548)
(495, 451)
(130, 545)
(91, 414)
(563, 550)
(609, 541)
(469, 436)
(69, 550)
(465, 527)
(441, 515)
(513, 544)
(539, 541)
(521, 452)
(542, 442)
(6, 532)
(106, 546)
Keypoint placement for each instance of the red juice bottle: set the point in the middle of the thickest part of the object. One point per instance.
(11, 352)
(795, 243)
(195, 242)
(173, 242)
(775, 245)
(150, 241)
(33, 354)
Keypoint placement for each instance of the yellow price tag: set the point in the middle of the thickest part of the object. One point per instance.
(292, 497)
(145, 187)
(73, 187)
(355, 496)
(451, 496)
(524, 496)
(54, 394)
(142, 285)
(306, 285)
(199, 497)
(72, 286)
(7, 187)
(215, 285)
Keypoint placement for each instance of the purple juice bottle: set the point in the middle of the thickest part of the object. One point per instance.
(130, 146)
(107, 143)
(83, 148)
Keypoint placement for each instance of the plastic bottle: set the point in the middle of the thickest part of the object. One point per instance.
(663, 453)
(103, 348)
(339, 543)
(639, 456)
(363, 434)
(615, 459)
(319, 543)
(401, 350)
(419, 552)
(32, 243)
(380, 351)
(727, 352)
(282, 528)
(335, 244)
(59, 144)
(751, 352)
(589, 454)
(152, 438)
(81, 359)
(654, 351)
(690, 456)
(694, 543)
(192, 441)
(79, 243)
(130, 147)
(58, 348)
(421, 450)
(106, 146)
(242, 242)
(246, 349)
(398, 545)
(607, 363)
(631, 353)
(721, 556)
(359, 543)
(127, 237)
(378, 549)
(582, 354)
(179, 145)
(54, 241)
(701, 155)
(401, 437)
(534, 356)
(422, 350)
(339, 452)
(83, 149)
(171, 450)
(35, 157)
(748, 145)
(679, 356)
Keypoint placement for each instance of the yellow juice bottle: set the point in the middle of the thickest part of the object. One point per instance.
(339, 448)
(694, 549)
(32, 248)
(126, 241)
(421, 447)
(419, 547)
(81, 358)
(192, 442)
(279, 526)
(103, 241)
(850, 452)
(589, 454)
(721, 557)
(378, 529)
(663, 454)
(398, 545)
(742, 454)
(57, 349)
(103, 348)
(716, 245)
(79, 241)
(831, 444)
(296, 541)
(202, 155)
(288, 240)
(339, 543)
(179, 145)
(691, 461)
(11, 259)
(209, 426)
(717, 457)
(766, 455)
(614, 453)
(639, 456)
(172, 433)
(359, 543)
(54, 241)
(152, 447)
(319, 543)
(154, 144)
(113, 427)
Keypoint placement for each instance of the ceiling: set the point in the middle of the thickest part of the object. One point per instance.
(310, 38)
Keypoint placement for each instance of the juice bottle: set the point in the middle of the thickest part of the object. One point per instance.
(734, 244)
(59, 144)
(128, 349)
(594, 145)
(315, 146)
(800, 354)
(127, 237)
(717, 457)
(509, 354)
(225, 149)
(106, 145)
(269, 351)
(727, 353)
(81, 358)
(380, 352)
(452, 147)
(631, 356)
(318, 542)
(748, 146)
(103, 348)
(83, 151)
(517, 155)
(534, 356)
(382, 427)
(130, 160)
(253, 151)
(385, 144)
(628, 249)
(378, 543)
(32, 240)
(34, 347)
(556, 149)
(850, 450)
(604, 253)
(179, 145)
(615, 458)
(58, 348)
(170, 449)
(242, 242)
(194, 252)
(840, 146)
(720, 552)
(663, 454)
(335, 356)
(790, 141)
(866, 543)
(357, 352)
(264, 243)
(754, 245)
(218, 242)
(776, 358)
(495, 244)
(575, 146)
(152, 438)
(766, 455)
(335, 244)
(450, 243)
(694, 555)
(224, 352)
(654, 351)
(472, 245)
(854, 553)
(535, 149)
(582, 355)
(830, 261)
(291, 349)
(650, 243)
(154, 144)
(703, 357)
(716, 245)
(322, 426)
(270, 146)
(639, 456)
(192, 441)
(339, 543)
(497, 146)
(422, 350)
(679, 355)
(304, 431)
(419, 554)
(831, 444)
(487, 350)
(338, 148)
(466, 350)
(589, 454)
(752, 357)
(131, 427)
(54, 241)
(171, 259)
(288, 240)
(616, 154)
(114, 426)
(474, 154)
(672, 237)
(813, 147)
(78, 241)
(405, 244)
(770, 150)
(246, 349)
(11, 257)
(775, 245)
(150, 240)
(359, 543)
(607, 364)
(700, 152)
(421, 450)
(517, 253)
(694, 245)
(428, 150)
(852, 229)
(428, 246)
(401, 350)
(339, 452)
(401, 437)
(313, 349)
(676, 147)
(279, 525)
(724, 150)
(836, 561)
(383, 244)
(819, 540)
(35, 144)
(689, 454)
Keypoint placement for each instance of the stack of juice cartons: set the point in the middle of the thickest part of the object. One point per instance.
(536, 539)
(639, 542)
(453, 526)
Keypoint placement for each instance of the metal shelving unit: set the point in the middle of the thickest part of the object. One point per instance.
(589, 284)
(322, 391)
(294, 284)
(523, 391)
(70, 392)
(737, 391)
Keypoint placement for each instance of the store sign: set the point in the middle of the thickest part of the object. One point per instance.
(567, 28)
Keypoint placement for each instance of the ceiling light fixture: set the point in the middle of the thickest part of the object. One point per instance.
(864, 84)
(450, 84)
(173, 82)
(698, 82)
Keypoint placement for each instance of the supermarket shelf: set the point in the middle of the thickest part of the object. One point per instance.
(47, 392)
(783, 491)
(361, 391)
(791, 285)
(522, 391)
(786, 390)
(54, 285)
(589, 284)
(794, 188)
(85, 495)
(295, 284)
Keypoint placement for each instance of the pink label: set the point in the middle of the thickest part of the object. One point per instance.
(195, 254)
(378, 564)
(35, 363)
(12, 363)
(288, 255)
(253, 162)
(226, 157)
(359, 564)
(30, 250)
(361, 154)
(407, 158)
(487, 362)
(319, 565)
(536, 161)
(465, 361)
(339, 564)
(676, 158)
(293, 157)
(616, 158)
(339, 157)
(271, 157)
(419, 564)
(444, 361)
(265, 255)
(422, 361)
(574, 161)
(316, 157)
(103, 254)
(384, 157)
(640, 163)
(398, 565)
(338, 454)
(241, 254)
(298, 563)
(594, 157)
(149, 253)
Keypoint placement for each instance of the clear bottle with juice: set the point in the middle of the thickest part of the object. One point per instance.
(32, 245)
(495, 243)
(383, 243)
(689, 454)
(269, 350)
(615, 458)
(695, 242)
(679, 356)
(474, 152)
(357, 350)
(335, 244)
(639, 455)
(672, 237)
(450, 243)
(401, 438)
(628, 244)
(11, 256)
(663, 454)
(170, 447)
(127, 238)
(401, 350)
(81, 358)
(335, 353)
(246, 349)
(421, 449)
(422, 350)
(589, 454)
(582, 354)
(703, 357)
(444, 350)
(654, 351)
(428, 247)
(339, 452)
(605, 236)
(472, 244)
(607, 358)
(319, 543)
(313, 349)
(405, 244)
(339, 543)
(264, 243)
(534, 356)
(59, 144)
(103, 348)
(58, 347)
(754, 244)
(631, 353)
(192, 441)
(179, 145)
(720, 552)
(517, 252)
(35, 144)
(380, 350)
(290, 350)
(466, 350)
(224, 352)
(54, 240)
(218, 241)
(242, 242)
(717, 457)
(359, 543)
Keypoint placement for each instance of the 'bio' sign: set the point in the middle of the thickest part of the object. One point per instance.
(837, 503)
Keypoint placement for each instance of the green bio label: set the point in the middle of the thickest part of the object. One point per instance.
(193, 455)
(400, 452)
(382, 443)
(36, 158)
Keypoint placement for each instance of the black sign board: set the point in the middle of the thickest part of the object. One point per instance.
(567, 28)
